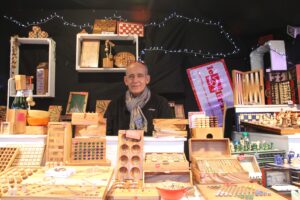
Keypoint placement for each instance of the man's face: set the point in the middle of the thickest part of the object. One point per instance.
(136, 78)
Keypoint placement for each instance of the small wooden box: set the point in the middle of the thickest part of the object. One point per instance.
(104, 25)
(133, 193)
(171, 124)
(165, 162)
(129, 28)
(209, 148)
(18, 118)
(20, 81)
(153, 179)
(207, 133)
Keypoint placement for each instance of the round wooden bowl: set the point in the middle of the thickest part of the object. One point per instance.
(38, 114)
(32, 121)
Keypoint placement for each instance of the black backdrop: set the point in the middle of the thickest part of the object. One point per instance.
(167, 70)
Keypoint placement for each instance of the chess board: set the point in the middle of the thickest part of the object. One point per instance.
(7, 156)
(247, 117)
(127, 28)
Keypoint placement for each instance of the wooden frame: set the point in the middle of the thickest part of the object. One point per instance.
(275, 176)
(77, 102)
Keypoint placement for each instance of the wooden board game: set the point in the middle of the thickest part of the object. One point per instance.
(238, 191)
(271, 129)
(29, 154)
(130, 155)
(88, 151)
(165, 162)
(58, 142)
(7, 156)
(248, 87)
(88, 182)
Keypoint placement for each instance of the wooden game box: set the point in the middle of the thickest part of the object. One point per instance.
(36, 130)
(207, 133)
(165, 162)
(171, 124)
(155, 179)
(212, 162)
(140, 194)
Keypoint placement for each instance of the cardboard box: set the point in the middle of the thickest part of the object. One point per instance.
(42, 78)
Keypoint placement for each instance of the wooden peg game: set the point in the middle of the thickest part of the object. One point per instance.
(248, 87)
(88, 151)
(7, 156)
(130, 155)
(58, 142)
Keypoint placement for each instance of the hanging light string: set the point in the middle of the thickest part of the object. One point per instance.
(60, 17)
(161, 24)
(191, 51)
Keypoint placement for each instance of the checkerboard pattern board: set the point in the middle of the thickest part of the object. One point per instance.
(247, 117)
(29, 154)
(127, 28)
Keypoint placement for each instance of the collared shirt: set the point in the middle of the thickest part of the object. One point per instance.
(118, 117)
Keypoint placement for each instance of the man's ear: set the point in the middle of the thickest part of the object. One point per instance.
(148, 79)
(125, 81)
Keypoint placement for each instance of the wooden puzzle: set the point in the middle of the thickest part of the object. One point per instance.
(281, 93)
(238, 191)
(248, 87)
(165, 162)
(58, 142)
(55, 112)
(7, 156)
(29, 154)
(31, 183)
(88, 151)
(130, 156)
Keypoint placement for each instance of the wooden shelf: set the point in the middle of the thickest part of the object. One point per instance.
(109, 70)
(272, 129)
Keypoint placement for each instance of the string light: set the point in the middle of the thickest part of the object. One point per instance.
(60, 17)
(160, 24)
(190, 51)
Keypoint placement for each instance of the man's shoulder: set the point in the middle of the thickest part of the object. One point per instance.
(118, 100)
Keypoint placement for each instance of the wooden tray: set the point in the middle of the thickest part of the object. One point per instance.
(272, 129)
(210, 191)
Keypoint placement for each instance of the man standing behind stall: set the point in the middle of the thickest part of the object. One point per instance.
(138, 106)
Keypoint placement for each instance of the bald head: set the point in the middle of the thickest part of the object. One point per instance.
(135, 65)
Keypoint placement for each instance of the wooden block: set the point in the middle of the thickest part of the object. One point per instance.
(20, 81)
(36, 130)
(207, 133)
(107, 63)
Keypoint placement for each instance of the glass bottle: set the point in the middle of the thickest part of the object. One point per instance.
(19, 101)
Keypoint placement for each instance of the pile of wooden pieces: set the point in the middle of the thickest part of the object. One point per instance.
(37, 33)
(170, 127)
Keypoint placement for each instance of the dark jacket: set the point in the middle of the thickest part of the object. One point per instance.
(118, 117)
